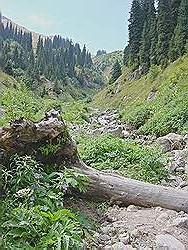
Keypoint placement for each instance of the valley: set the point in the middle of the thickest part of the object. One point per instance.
(94, 148)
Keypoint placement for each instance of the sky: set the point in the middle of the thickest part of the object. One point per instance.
(100, 24)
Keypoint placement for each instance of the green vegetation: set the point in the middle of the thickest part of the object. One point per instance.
(22, 102)
(166, 112)
(34, 216)
(156, 36)
(105, 62)
(127, 157)
(116, 72)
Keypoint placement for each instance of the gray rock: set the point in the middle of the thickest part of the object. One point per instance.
(132, 208)
(121, 246)
(116, 131)
(181, 222)
(168, 242)
(136, 233)
(98, 131)
(170, 142)
(124, 238)
(165, 144)
(126, 134)
(108, 247)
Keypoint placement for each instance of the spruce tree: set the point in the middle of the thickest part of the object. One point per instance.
(175, 5)
(147, 34)
(116, 72)
(135, 32)
(178, 42)
(164, 31)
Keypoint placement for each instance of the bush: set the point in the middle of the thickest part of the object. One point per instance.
(33, 212)
(137, 116)
(128, 157)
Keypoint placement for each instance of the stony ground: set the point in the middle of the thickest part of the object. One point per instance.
(142, 228)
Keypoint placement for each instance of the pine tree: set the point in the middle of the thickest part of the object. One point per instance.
(150, 19)
(175, 5)
(135, 32)
(116, 72)
(178, 42)
(164, 31)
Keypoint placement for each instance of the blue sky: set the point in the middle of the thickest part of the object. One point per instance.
(100, 24)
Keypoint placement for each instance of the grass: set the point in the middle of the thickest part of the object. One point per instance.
(6, 82)
(105, 62)
(125, 156)
(167, 112)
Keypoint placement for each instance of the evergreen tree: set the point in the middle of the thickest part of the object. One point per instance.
(116, 72)
(150, 19)
(178, 42)
(135, 32)
(175, 5)
(126, 55)
(83, 56)
(164, 31)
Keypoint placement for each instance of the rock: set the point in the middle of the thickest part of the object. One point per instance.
(164, 143)
(121, 246)
(124, 238)
(98, 131)
(104, 237)
(132, 208)
(168, 242)
(107, 247)
(183, 184)
(166, 215)
(180, 169)
(181, 222)
(158, 209)
(106, 230)
(116, 131)
(171, 142)
(126, 134)
(136, 233)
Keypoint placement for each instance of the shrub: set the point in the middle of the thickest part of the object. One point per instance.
(131, 159)
(34, 216)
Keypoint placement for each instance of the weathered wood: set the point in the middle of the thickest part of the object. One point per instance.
(25, 137)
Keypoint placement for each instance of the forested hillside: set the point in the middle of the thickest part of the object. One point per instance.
(156, 35)
(55, 59)
(94, 150)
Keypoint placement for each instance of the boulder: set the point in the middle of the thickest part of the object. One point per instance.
(171, 142)
(181, 222)
(117, 131)
(167, 241)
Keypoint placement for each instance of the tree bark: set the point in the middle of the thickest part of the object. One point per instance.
(23, 137)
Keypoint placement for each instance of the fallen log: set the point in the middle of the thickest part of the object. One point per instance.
(50, 142)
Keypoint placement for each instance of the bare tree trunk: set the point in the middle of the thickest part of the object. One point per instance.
(24, 137)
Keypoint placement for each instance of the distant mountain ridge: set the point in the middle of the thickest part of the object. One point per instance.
(35, 35)
(47, 64)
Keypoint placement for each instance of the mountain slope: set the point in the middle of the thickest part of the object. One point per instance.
(105, 62)
(35, 35)
(52, 66)
(155, 104)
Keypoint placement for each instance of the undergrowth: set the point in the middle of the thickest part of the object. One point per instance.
(34, 216)
(125, 156)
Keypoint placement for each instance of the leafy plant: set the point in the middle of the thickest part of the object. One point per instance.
(133, 160)
(34, 216)
(36, 227)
